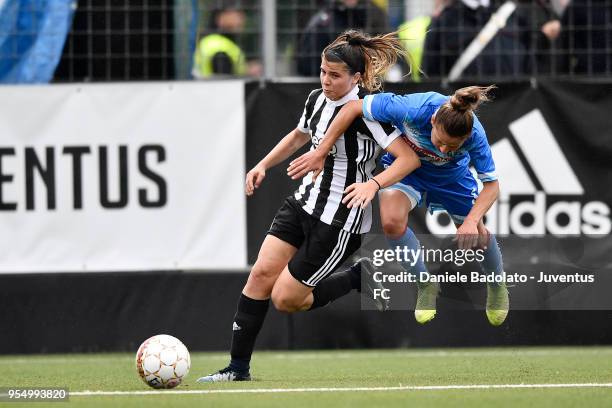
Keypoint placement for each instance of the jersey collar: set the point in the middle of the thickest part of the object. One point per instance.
(351, 95)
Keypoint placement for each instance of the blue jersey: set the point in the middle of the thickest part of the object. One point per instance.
(412, 114)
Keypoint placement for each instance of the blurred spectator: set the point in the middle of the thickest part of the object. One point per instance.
(539, 27)
(458, 22)
(413, 33)
(218, 53)
(559, 6)
(587, 37)
(329, 22)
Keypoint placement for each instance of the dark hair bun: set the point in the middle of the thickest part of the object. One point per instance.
(469, 98)
(355, 41)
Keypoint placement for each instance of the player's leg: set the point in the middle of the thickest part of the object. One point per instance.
(359, 277)
(396, 202)
(254, 299)
(252, 308)
(279, 246)
(498, 302)
(458, 200)
(289, 295)
(308, 282)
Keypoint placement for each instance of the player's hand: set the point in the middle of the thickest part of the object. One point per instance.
(467, 234)
(483, 235)
(309, 161)
(254, 179)
(360, 194)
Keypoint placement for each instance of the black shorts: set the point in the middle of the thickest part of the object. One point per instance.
(321, 247)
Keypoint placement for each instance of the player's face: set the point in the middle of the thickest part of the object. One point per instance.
(442, 141)
(336, 80)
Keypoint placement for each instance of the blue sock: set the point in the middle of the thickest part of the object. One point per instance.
(492, 261)
(410, 241)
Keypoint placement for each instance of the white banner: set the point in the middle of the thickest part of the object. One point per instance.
(122, 177)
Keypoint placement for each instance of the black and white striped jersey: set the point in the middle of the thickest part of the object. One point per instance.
(351, 160)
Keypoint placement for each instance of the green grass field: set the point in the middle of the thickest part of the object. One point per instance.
(317, 379)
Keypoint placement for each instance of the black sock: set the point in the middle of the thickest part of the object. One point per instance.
(248, 320)
(355, 271)
(336, 286)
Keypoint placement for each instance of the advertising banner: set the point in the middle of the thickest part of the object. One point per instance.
(121, 177)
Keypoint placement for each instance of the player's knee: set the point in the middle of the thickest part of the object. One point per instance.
(263, 273)
(284, 303)
(260, 281)
(393, 227)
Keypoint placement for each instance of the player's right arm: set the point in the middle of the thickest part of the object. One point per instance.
(384, 107)
(288, 145)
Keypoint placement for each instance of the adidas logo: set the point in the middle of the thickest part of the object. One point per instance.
(235, 327)
(534, 196)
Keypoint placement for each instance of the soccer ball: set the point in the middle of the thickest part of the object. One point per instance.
(162, 361)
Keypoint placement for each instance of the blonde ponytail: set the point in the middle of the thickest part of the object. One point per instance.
(370, 56)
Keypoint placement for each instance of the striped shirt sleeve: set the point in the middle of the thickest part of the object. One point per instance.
(384, 134)
(302, 125)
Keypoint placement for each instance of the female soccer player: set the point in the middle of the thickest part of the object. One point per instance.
(447, 136)
(320, 225)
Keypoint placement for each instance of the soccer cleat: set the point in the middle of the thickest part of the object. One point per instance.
(226, 374)
(425, 309)
(369, 286)
(497, 303)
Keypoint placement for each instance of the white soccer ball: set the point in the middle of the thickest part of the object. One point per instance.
(162, 361)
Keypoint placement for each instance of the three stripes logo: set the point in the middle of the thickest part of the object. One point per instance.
(540, 193)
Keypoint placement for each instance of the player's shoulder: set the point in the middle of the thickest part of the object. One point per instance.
(432, 98)
(315, 93)
(435, 97)
(416, 99)
(419, 107)
(479, 135)
(367, 123)
(313, 96)
(477, 128)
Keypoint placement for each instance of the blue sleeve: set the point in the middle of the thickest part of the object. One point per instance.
(396, 109)
(480, 154)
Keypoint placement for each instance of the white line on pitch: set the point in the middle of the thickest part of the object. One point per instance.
(347, 389)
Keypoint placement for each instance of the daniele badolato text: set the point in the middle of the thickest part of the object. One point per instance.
(480, 277)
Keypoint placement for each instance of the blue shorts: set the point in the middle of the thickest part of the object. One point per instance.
(456, 198)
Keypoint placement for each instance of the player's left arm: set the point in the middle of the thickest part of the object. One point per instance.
(473, 232)
(486, 198)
